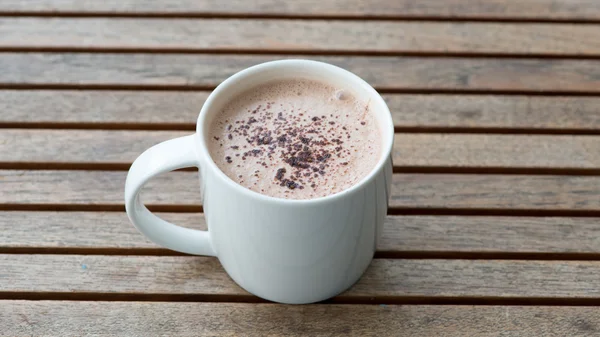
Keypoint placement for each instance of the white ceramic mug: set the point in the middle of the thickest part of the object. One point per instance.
(289, 251)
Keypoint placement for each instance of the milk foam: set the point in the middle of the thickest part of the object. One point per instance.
(296, 139)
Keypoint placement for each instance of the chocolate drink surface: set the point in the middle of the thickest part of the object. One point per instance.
(295, 139)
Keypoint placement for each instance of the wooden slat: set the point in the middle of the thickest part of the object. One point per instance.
(93, 188)
(475, 9)
(81, 230)
(506, 151)
(126, 109)
(502, 112)
(420, 191)
(300, 35)
(480, 191)
(384, 277)
(410, 150)
(491, 234)
(101, 107)
(70, 318)
(181, 71)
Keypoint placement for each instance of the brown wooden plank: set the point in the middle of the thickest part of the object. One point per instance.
(480, 191)
(181, 71)
(419, 191)
(71, 318)
(112, 230)
(474, 9)
(93, 188)
(101, 107)
(490, 234)
(384, 278)
(506, 151)
(410, 150)
(126, 109)
(499, 112)
(299, 36)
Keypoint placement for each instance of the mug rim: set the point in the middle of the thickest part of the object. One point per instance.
(387, 143)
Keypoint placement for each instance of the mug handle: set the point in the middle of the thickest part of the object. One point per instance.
(167, 156)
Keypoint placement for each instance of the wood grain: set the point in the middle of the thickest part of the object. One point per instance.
(472, 9)
(299, 36)
(384, 278)
(480, 191)
(101, 107)
(497, 112)
(410, 150)
(112, 230)
(70, 318)
(425, 52)
(160, 109)
(413, 191)
(182, 71)
(506, 151)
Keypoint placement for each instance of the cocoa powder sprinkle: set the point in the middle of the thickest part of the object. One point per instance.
(296, 147)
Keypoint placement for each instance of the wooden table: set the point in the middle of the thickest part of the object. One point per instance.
(494, 219)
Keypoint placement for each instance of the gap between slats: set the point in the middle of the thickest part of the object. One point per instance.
(295, 16)
(397, 300)
(391, 211)
(414, 255)
(292, 52)
(192, 127)
(397, 169)
(380, 89)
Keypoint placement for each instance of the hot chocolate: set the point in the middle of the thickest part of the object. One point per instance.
(296, 139)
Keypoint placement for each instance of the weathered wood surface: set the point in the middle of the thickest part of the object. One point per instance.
(106, 107)
(384, 278)
(111, 230)
(426, 150)
(185, 71)
(180, 109)
(466, 9)
(451, 71)
(299, 35)
(419, 191)
(69, 318)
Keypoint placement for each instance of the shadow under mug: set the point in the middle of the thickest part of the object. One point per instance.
(288, 251)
